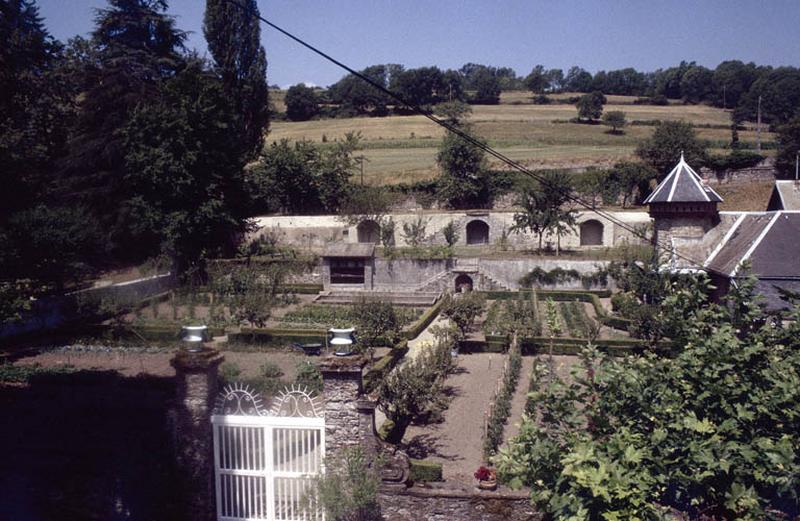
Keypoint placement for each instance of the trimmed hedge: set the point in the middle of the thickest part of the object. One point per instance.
(385, 364)
(424, 321)
(152, 333)
(276, 338)
(423, 471)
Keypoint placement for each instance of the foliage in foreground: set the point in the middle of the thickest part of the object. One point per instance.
(712, 431)
(348, 491)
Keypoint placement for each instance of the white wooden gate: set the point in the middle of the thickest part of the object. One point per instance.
(266, 460)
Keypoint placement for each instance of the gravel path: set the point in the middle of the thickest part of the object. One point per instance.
(457, 442)
(425, 339)
(519, 399)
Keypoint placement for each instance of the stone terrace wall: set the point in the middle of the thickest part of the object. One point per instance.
(443, 504)
(764, 171)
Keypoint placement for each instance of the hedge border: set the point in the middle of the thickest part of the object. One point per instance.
(425, 471)
(423, 321)
(153, 334)
(384, 365)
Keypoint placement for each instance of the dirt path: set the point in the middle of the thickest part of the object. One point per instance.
(519, 399)
(457, 442)
(425, 339)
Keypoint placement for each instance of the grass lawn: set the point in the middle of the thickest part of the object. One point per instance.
(403, 148)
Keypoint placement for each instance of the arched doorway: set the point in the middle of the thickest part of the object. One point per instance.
(369, 231)
(591, 233)
(463, 283)
(477, 232)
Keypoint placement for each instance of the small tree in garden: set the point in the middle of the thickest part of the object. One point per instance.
(375, 320)
(463, 309)
(348, 491)
(387, 233)
(250, 290)
(450, 232)
(413, 388)
(414, 232)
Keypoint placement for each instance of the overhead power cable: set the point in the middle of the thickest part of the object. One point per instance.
(472, 140)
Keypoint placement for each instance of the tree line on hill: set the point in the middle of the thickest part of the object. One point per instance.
(733, 84)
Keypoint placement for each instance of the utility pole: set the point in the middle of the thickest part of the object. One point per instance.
(758, 127)
(796, 164)
(724, 103)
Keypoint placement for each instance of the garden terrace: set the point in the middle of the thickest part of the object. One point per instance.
(396, 298)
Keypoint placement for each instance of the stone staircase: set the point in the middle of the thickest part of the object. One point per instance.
(490, 282)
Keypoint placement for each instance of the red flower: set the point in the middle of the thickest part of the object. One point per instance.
(484, 474)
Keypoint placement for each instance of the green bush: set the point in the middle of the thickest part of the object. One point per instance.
(424, 471)
(502, 405)
(309, 376)
(229, 372)
(270, 370)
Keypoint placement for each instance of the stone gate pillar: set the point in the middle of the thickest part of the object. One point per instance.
(349, 416)
(196, 390)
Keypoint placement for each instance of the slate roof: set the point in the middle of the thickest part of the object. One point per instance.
(349, 249)
(785, 196)
(770, 241)
(683, 185)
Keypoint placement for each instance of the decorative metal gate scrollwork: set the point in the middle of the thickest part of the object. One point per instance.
(266, 459)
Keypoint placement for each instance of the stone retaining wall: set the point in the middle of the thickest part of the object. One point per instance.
(454, 504)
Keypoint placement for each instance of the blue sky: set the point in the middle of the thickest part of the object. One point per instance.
(604, 34)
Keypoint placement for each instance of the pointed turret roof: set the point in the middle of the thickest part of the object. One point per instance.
(683, 185)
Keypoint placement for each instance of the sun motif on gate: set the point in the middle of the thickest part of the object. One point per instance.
(297, 402)
(239, 400)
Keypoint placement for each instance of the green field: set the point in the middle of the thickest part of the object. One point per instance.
(403, 148)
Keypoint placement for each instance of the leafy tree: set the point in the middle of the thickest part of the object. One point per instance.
(487, 88)
(463, 309)
(183, 172)
(356, 96)
(616, 120)
(302, 178)
(375, 320)
(663, 149)
(710, 431)
(544, 207)
(453, 86)
(367, 203)
(555, 80)
(590, 106)
(629, 178)
(463, 180)
(453, 112)
(301, 103)
(233, 33)
(414, 231)
(731, 80)
(696, 84)
(537, 81)
(592, 183)
(450, 232)
(422, 86)
(50, 247)
(414, 388)
(788, 147)
(780, 97)
(578, 80)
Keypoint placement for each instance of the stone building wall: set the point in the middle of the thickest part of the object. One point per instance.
(315, 232)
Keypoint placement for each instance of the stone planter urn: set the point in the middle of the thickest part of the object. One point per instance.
(342, 341)
(194, 337)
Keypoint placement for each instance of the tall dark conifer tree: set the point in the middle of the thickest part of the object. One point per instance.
(137, 47)
(234, 40)
(34, 108)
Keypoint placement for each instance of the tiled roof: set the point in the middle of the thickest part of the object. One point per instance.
(683, 185)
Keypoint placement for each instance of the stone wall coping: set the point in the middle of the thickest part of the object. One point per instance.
(431, 490)
(342, 364)
(198, 361)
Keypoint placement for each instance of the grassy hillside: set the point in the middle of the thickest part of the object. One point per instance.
(403, 148)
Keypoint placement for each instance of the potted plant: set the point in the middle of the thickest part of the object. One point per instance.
(487, 478)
